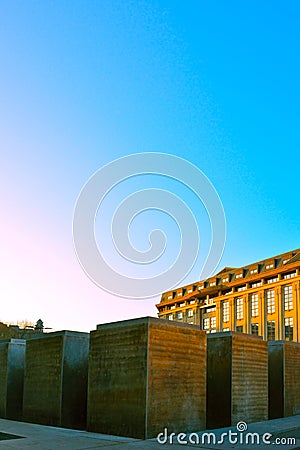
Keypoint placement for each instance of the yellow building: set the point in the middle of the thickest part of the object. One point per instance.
(261, 299)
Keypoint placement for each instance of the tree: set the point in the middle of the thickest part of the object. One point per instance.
(39, 326)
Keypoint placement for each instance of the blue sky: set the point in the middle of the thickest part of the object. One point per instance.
(84, 83)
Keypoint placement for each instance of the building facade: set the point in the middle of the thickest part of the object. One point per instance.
(262, 299)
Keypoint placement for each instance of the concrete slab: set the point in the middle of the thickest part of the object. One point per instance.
(237, 379)
(145, 374)
(12, 360)
(55, 380)
(284, 381)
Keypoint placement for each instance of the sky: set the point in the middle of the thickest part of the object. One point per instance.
(85, 83)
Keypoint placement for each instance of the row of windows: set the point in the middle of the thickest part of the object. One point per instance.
(183, 292)
(270, 304)
(254, 271)
(195, 287)
(179, 315)
(288, 329)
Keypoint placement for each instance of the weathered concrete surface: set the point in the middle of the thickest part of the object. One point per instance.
(12, 358)
(237, 379)
(146, 374)
(55, 382)
(284, 379)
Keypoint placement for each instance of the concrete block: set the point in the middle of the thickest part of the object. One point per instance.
(284, 379)
(55, 382)
(144, 375)
(237, 379)
(12, 358)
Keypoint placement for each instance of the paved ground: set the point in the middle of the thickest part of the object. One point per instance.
(50, 438)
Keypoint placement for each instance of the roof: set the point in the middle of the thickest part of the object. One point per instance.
(249, 270)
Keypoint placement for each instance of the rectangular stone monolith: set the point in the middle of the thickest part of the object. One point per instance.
(237, 379)
(55, 382)
(146, 375)
(12, 358)
(284, 379)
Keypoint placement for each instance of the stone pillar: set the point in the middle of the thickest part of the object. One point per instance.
(247, 314)
(232, 318)
(280, 313)
(55, 381)
(12, 360)
(263, 314)
(284, 381)
(146, 375)
(218, 316)
(237, 379)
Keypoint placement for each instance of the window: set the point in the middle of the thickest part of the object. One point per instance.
(271, 280)
(239, 275)
(210, 324)
(183, 291)
(170, 317)
(173, 307)
(195, 287)
(270, 295)
(213, 322)
(239, 329)
(288, 297)
(239, 308)
(225, 311)
(254, 305)
(174, 294)
(190, 313)
(254, 329)
(288, 325)
(179, 315)
(226, 329)
(257, 284)
(228, 292)
(289, 275)
(271, 330)
(269, 266)
(241, 288)
(252, 271)
(206, 324)
(209, 310)
(182, 304)
(192, 302)
(225, 280)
